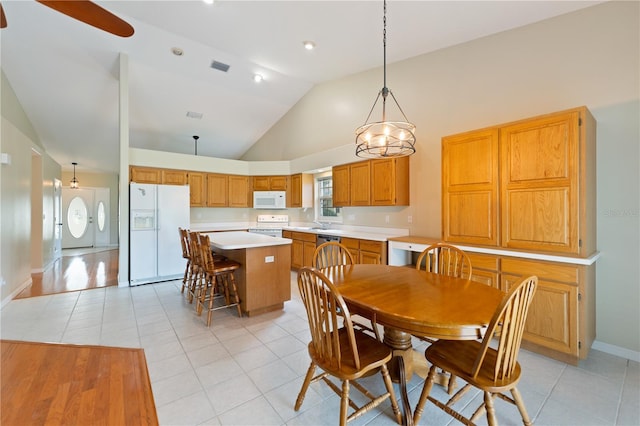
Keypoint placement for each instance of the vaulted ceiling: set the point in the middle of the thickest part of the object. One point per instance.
(65, 73)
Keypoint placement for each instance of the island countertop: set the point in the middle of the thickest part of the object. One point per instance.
(234, 240)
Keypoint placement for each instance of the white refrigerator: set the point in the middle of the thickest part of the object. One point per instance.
(155, 252)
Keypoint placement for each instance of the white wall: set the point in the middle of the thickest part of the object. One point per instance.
(589, 57)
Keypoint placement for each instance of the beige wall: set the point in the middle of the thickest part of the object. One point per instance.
(590, 57)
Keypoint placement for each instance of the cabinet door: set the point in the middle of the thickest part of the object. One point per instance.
(309, 250)
(470, 188)
(197, 189)
(261, 183)
(297, 254)
(145, 174)
(340, 176)
(539, 183)
(174, 177)
(552, 321)
(295, 194)
(360, 183)
(372, 252)
(278, 183)
(238, 191)
(217, 187)
(484, 269)
(390, 182)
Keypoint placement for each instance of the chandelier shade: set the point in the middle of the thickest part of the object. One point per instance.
(385, 138)
(74, 182)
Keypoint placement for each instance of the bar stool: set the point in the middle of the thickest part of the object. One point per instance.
(217, 281)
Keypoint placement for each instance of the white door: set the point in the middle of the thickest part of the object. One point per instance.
(78, 218)
(57, 218)
(173, 212)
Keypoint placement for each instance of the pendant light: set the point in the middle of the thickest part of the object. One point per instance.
(195, 140)
(74, 182)
(385, 138)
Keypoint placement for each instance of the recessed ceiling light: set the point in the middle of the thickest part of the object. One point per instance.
(196, 115)
(177, 51)
(257, 78)
(309, 45)
(208, 1)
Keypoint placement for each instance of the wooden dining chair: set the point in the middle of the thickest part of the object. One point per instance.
(493, 371)
(339, 350)
(445, 259)
(217, 282)
(193, 282)
(332, 253)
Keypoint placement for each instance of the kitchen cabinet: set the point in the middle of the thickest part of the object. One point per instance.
(174, 177)
(139, 174)
(269, 183)
(390, 182)
(485, 269)
(197, 189)
(239, 191)
(301, 191)
(561, 318)
(382, 182)
(341, 187)
(360, 183)
(527, 185)
(366, 251)
(217, 190)
(303, 246)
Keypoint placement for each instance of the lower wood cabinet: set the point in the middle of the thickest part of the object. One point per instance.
(561, 319)
(366, 251)
(303, 246)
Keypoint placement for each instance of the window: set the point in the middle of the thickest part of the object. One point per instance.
(325, 212)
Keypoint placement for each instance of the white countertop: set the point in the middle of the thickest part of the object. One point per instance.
(360, 232)
(234, 240)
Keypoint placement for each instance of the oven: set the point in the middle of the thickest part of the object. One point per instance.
(270, 224)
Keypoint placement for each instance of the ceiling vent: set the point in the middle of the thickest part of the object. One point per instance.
(192, 114)
(219, 66)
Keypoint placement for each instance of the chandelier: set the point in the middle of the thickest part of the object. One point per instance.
(385, 138)
(74, 182)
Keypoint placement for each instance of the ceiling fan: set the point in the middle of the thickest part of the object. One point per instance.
(87, 12)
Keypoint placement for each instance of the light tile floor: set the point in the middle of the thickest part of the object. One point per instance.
(248, 371)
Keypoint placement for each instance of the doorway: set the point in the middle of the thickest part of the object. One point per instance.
(85, 214)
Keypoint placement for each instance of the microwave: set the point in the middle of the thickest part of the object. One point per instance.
(269, 199)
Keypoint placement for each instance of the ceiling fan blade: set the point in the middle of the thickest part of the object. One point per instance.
(3, 19)
(92, 14)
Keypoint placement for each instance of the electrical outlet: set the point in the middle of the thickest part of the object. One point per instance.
(386, 219)
(409, 219)
(269, 259)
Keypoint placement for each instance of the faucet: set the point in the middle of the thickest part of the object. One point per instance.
(323, 225)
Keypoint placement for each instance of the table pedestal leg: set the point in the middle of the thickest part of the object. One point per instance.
(401, 367)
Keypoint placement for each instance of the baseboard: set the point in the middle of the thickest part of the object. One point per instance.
(16, 292)
(616, 350)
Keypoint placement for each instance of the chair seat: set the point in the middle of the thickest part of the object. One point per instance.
(224, 266)
(372, 353)
(459, 356)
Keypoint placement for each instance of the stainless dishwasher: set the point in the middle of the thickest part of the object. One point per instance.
(321, 239)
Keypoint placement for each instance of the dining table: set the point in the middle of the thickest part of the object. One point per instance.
(407, 301)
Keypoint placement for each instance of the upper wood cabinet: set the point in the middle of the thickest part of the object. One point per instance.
(470, 187)
(174, 177)
(390, 182)
(544, 198)
(139, 174)
(382, 182)
(217, 190)
(360, 183)
(301, 190)
(239, 191)
(197, 189)
(341, 187)
(269, 183)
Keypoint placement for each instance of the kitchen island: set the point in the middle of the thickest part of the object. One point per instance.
(264, 278)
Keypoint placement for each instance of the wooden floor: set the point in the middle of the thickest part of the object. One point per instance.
(74, 273)
(56, 384)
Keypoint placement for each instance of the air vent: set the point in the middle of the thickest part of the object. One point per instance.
(219, 66)
(192, 114)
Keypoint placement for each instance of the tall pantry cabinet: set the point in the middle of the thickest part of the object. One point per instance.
(526, 191)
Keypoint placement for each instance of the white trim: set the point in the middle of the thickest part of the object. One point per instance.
(616, 350)
(16, 292)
